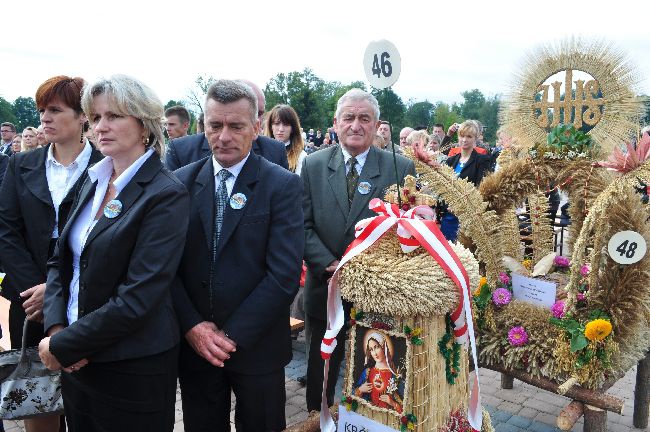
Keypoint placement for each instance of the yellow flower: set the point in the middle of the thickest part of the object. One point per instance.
(482, 281)
(598, 329)
(416, 332)
(528, 264)
(353, 313)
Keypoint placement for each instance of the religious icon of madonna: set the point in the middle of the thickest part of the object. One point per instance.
(380, 382)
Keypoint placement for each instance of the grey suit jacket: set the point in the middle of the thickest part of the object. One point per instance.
(329, 226)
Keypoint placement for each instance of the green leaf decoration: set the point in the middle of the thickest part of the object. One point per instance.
(578, 342)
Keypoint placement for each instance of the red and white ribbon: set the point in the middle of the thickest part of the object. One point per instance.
(412, 231)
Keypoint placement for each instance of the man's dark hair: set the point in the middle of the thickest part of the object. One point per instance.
(384, 122)
(10, 126)
(440, 125)
(180, 111)
(419, 128)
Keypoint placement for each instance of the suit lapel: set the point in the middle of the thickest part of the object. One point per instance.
(470, 161)
(204, 200)
(87, 193)
(95, 156)
(34, 177)
(243, 185)
(128, 195)
(368, 174)
(338, 181)
(205, 148)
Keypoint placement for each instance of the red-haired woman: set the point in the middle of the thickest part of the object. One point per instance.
(35, 198)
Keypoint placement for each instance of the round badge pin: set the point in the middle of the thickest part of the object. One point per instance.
(238, 201)
(364, 188)
(113, 209)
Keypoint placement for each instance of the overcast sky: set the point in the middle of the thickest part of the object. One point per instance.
(446, 46)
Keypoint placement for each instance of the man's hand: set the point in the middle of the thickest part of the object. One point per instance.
(332, 267)
(33, 304)
(210, 343)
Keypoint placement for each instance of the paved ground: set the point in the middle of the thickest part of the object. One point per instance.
(524, 408)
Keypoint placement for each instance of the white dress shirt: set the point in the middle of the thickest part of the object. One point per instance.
(85, 222)
(234, 170)
(361, 160)
(61, 178)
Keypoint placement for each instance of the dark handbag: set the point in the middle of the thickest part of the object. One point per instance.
(28, 389)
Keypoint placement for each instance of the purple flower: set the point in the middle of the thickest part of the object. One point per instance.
(561, 261)
(584, 270)
(517, 336)
(501, 297)
(504, 278)
(558, 309)
(581, 297)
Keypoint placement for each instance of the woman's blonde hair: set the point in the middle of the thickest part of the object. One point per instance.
(130, 97)
(469, 127)
(22, 141)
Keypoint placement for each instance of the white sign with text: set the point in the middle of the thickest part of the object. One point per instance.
(349, 421)
(536, 291)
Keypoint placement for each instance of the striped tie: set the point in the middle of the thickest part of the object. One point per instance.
(220, 199)
(352, 179)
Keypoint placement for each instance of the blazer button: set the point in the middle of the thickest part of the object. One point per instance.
(81, 312)
(84, 263)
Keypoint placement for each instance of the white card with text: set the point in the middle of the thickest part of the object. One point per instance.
(349, 421)
(536, 291)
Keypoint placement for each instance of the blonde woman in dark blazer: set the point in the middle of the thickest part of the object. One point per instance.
(108, 309)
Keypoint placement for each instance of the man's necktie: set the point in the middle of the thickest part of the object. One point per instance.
(352, 179)
(220, 200)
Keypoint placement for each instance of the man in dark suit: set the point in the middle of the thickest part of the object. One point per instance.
(191, 148)
(239, 273)
(339, 182)
(4, 161)
(8, 132)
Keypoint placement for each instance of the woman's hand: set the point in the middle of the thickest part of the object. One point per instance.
(46, 356)
(33, 304)
(387, 399)
(50, 361)
(366, 387)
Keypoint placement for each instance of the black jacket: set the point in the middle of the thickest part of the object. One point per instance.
(127, 267)
(27, 219)
(191, 148)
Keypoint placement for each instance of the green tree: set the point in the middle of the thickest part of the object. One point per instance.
(471, 107)
(446, 115)
(337, 91)
(305, 92)
(26, 113)
(419, 113)
(489, 116)
(392, 110)
(6, 111)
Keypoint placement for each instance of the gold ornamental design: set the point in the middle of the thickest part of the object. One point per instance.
(597, 94)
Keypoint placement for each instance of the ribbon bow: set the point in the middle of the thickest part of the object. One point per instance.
(413, 231)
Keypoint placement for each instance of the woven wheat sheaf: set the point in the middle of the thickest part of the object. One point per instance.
(384, 279)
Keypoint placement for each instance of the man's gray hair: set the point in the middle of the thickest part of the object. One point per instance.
(229, 91)
(356, 95)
